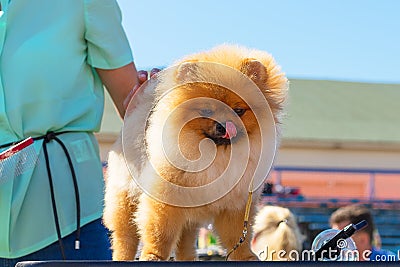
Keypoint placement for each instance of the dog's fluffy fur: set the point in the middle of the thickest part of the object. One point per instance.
(132, 214)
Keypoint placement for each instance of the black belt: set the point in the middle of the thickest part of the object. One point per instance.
(47, 138)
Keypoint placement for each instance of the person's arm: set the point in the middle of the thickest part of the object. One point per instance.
(119, 83)
(122, 83)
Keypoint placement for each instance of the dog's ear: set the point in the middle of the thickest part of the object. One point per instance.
(187, 71)
(255, 70)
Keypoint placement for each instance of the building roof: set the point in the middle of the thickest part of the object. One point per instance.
(342, 113)
(326, 113)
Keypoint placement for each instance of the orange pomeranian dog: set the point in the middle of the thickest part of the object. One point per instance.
(196, 140)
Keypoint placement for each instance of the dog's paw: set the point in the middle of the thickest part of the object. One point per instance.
(150, 257)
(243, 257)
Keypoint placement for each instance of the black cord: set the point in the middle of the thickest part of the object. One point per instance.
(53, 201)
(48, 138)
(76, 189)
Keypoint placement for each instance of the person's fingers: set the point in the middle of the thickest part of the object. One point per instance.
(130, 95)
(154, 71)
(142, 76)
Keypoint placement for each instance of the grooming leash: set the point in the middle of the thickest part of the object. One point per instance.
(245, 221)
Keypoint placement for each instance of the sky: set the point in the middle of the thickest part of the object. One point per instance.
(345, 40)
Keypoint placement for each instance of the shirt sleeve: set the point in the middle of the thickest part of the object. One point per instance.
(108, 46)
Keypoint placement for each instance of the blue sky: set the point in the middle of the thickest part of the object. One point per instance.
(349, 40)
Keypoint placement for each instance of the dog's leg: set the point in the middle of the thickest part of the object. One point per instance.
(124, 236)
(160, 227)
(185, 250)
(119, 209)
(229, 226)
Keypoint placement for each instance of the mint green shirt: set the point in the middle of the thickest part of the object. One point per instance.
(48, 50)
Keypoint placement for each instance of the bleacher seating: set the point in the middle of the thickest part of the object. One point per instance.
(313, 217)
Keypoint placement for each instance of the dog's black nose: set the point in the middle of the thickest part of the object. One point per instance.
(220, 129)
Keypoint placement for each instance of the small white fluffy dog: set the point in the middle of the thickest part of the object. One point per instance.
(275, 230)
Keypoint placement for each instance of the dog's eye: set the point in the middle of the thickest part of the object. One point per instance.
(206, 112)
(239, 111)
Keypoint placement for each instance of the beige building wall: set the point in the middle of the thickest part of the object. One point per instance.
(105, 142)
(338, 158)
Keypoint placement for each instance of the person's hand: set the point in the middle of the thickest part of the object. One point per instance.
(142, 78)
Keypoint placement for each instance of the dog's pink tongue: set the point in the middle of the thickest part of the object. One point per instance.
(230, 130)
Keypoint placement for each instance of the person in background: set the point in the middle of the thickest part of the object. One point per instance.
(276, 235)
(362, 238)
(55, 58)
